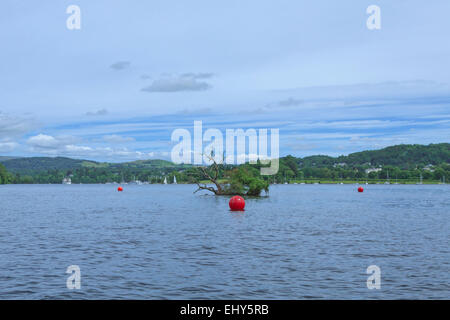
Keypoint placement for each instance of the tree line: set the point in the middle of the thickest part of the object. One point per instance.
(289, 171)
(407, 163)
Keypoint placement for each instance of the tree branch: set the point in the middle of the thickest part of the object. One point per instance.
(211, 178)
(205, 187)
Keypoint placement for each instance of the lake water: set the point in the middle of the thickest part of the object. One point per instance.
(164, 242)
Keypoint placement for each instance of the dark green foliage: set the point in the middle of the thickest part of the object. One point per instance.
(316, 161)
(245, 181)
(398, 162)
(35, 164)
(402, 156)
(4, 175)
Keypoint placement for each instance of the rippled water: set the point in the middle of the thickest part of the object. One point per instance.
(162, 241)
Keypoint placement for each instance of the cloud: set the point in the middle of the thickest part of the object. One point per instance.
(66, 146)
(200, 111)
(205, 75)
(43, 141)
(7, 146)
(12, 127)
(78, 150)
(120, 65)
(114, 138)
(377, 90)
(185, 82)
(290, 102)
(105, 153)
(101, 112)
(303, 146)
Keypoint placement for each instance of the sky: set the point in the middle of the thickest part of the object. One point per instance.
(115, 89)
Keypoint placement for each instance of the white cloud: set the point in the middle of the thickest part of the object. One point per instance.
(12, 127)
(201, 111)
(114, 138)
(7, 146)
(73, 149)
(65, 146)
(42, 141)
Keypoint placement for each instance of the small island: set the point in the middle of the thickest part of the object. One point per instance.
(243, 181)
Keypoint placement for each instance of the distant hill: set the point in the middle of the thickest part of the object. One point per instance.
(316, 161)
(39, 164)
(36, 164)
(142, 164)
(3, 158)
(402, 156)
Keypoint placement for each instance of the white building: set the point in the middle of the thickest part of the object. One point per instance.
(373, 170)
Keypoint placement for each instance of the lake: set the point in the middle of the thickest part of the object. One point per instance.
(164, 242)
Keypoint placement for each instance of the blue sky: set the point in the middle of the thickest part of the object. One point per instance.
(116, 89)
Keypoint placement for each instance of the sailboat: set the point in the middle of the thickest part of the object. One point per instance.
(420, 179)
(387, 179)
(174, 180)
(138, 182)
(165, 180)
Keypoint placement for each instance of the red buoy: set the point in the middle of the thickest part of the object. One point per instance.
(119, 189)
(237, 203)
(360, 189)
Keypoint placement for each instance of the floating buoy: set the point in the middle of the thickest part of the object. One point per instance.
(119, 189)
(237, 203)
(360, 189)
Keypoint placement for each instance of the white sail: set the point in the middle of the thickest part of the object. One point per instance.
(165, 180)
(174, 180)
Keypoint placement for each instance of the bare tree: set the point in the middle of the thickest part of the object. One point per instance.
(211, 176)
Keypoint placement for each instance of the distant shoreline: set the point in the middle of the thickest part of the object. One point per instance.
(272, 184)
